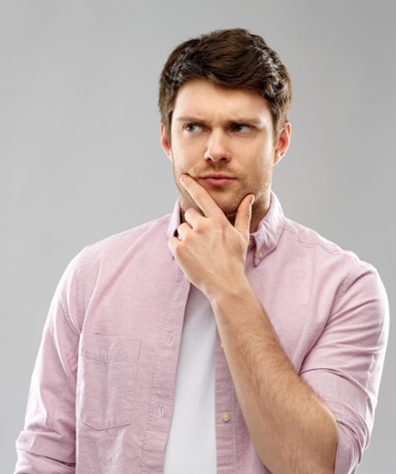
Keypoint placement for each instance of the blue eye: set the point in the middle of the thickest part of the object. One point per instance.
(242, 128)
(192, 127)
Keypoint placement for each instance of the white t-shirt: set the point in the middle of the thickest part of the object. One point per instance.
(191, 446)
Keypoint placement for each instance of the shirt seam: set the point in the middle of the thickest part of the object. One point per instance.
(337, 251)
(67, 316)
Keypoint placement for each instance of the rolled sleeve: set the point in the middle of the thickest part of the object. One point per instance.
(47, 443)
(344, 367)
(28, 463)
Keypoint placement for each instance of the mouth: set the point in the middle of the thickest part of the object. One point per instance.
(217, 179)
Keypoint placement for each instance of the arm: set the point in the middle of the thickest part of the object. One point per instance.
(345, 365)
(292, 430)
(47, 443)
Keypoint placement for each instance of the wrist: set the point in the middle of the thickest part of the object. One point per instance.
(227, 292)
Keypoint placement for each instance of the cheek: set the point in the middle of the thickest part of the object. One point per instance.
(261, 167)
(185, 156)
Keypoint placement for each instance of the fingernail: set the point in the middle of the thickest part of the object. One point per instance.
(252, 199)
(183, 177)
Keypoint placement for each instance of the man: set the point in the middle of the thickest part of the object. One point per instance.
(223, 338)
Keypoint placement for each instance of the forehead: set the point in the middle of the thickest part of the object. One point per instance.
(201, 99)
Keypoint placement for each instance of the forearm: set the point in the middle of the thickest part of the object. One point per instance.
(291, 429)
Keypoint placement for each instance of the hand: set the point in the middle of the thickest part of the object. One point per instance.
(211, 251)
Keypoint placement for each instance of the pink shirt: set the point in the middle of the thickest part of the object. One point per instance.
(102, 392)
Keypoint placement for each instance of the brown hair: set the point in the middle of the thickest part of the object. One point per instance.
(234, 59)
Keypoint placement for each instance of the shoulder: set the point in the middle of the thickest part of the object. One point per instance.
(110, 260)
(327, 263)
(137, 237)
(317, 246)
(308, 238)
(120, 250)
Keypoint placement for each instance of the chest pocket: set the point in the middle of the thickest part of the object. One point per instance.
(106, 380)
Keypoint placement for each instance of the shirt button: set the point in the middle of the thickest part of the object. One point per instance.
(221, 345)
(250, 241)
(260, 255)
(225, 416)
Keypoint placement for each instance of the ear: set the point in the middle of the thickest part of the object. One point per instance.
(165, 143)
(283, 143)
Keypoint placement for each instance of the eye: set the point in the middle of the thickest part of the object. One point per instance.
(240, 127)
(193, 127)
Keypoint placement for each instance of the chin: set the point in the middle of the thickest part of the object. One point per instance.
(229, 209)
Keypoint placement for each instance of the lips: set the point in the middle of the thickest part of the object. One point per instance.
(217, 179)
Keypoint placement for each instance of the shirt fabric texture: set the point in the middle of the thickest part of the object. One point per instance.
(103, 388)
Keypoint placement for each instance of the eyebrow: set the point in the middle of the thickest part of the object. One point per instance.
(239, 120)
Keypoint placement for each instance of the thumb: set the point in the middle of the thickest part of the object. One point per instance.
(244, 214)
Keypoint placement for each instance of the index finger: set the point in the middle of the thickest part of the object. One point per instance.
(200, 196)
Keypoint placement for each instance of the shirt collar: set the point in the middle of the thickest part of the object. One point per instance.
(266, 237)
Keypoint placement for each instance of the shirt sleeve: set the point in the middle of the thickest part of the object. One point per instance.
(344, 367)
(47, 443)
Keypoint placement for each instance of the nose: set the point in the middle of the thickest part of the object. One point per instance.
(218, 147)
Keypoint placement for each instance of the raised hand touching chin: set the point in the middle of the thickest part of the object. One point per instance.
(212, 252)
(271, 395)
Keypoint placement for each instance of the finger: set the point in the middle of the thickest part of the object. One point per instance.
(183, 230)
(173, 243)
(192, 216)
(244, 214)
(200, 196)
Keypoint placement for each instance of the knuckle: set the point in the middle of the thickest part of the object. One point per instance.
(172, 244)
(218, 220)
(187, 237)
(177, 250)
(200, 229)
(182, 228)
(180, 251)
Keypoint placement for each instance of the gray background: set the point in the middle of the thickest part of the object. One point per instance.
(81, 159)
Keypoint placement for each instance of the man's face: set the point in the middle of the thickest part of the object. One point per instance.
(224, 139)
